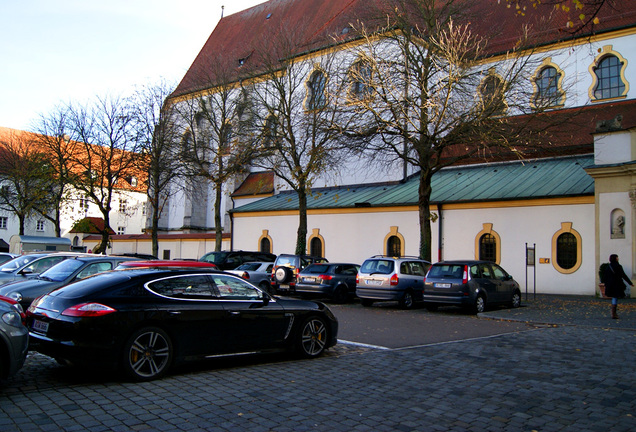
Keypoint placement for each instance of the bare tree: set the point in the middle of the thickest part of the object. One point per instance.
(429, 98)
(104, 155)
(581, 14)
(25, 177)
(157, 137)
(54, 140)
(213, 147)
(300, 118)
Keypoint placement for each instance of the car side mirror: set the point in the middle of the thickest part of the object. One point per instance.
(266, 298)
(25, 271)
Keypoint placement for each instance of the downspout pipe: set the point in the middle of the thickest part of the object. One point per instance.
(440, 231)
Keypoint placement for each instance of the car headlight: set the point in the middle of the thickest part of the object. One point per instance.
(15, 296)
(12, 318)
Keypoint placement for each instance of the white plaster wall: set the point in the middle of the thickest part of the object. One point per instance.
(607, 245)
(355, 237)
(612, 148)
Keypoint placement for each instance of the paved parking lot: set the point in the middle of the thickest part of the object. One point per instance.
(550, 378)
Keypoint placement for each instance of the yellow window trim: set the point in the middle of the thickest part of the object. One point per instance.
(316, 234)
(607, 51)
(265, 235)
(547, 62)
(566, 227)
(488, 230)
(394, 232)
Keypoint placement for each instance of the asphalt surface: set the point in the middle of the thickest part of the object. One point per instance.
(572, 370)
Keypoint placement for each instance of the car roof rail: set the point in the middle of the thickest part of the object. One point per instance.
(398, 257)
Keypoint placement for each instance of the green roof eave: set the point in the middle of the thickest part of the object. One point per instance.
(505, 181)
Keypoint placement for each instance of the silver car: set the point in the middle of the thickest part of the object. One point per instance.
(30, 265)
(14, 338)
(383, 278)
(257, 273)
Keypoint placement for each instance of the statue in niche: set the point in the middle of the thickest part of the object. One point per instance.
(618, 227)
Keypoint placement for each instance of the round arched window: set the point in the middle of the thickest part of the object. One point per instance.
(315, 247)
(266, 245)
(566, 251)
(394, 246)
(488, 248)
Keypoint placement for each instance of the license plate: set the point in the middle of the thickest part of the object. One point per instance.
(40, 326)
(283, 287)
(373, 282)
(442, 285)
(309, 279)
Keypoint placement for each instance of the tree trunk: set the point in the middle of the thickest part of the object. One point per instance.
(424, 205)
(218, 223)
(301, 237)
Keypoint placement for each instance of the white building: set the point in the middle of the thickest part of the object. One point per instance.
(550, 220)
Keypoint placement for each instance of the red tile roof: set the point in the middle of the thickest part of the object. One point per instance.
(258, 183)
(234, 49)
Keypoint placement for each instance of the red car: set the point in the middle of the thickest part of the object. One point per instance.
(182, 264)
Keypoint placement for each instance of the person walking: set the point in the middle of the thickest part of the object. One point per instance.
(614, 285)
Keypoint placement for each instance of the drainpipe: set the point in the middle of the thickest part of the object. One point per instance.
(440, 232)
(231, 226)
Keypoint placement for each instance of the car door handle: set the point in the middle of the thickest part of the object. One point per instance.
(235, 313)
(175, 312)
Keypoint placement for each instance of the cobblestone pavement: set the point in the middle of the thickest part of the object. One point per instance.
(551, 378)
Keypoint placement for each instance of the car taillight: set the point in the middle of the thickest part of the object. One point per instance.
(326, 277)
(88, 310)
(465, 276)
(357, 279)
(394, 279)
(245, 275)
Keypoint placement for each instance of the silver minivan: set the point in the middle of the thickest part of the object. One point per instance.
(383, 278)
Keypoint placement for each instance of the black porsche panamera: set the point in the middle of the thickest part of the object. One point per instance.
(146, 320)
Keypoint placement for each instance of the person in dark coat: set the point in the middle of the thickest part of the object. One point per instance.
(614, 285)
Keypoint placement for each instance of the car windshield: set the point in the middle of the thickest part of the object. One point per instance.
(379, 266)
(249, 266)
(286, 261)
(455, 271)
(62, 271)
(214, 257)
(17, 263)
(316, 268)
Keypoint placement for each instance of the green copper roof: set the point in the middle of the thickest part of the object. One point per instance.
(546, 178)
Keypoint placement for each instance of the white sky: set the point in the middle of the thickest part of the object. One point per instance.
(56, 51)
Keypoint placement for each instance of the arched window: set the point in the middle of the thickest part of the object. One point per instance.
(394, 246)
(547, 82)
(316, 97)
(265, 245)
(566, 251)
(270, 130)
(488, 248)
(492, 95)
(361, 80)
(608, 75)
(315, 247)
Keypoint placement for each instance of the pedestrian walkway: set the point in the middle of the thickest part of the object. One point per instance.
(569, 310)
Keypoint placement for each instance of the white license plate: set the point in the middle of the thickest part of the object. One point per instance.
(442, 285)
(309, 279)
(373, 282)
(40, 326)
(283, 287)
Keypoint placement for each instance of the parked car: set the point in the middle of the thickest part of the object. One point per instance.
(6, 256)
(63, 273)
(335, 280)
(229, 260)
(257, 273)
(30, 265)
(14, 339)
(471, 284)
(286, 269)
(166, 264)
(383, 278)
(146, 320)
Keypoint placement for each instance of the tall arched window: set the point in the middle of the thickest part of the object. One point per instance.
(315, 247)
(609, 82)
(492, 95)
(394, 246)
(265, 245)
(316, 97)
(548, 81)
(566, 251)
(488, 248)
(361, 80)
